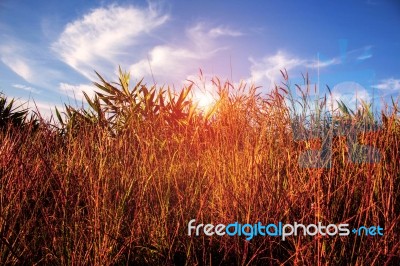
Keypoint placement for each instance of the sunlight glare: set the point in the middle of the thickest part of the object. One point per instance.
(204, 100)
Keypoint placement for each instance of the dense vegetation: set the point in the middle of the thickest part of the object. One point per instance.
(117, 182)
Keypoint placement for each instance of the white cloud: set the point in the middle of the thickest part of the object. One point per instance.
(267, 70)
(199, 37)
(22, 58)
(201, 30)
(204, 38)
(388, 84)
(364, 56)
(76, 91)
(359, 54)
(323, 64)
(101, 36)
(19, 66)
(366, 52)
(171, 63)
(26, 88)
(11, 56)
(224, 31)
(105, 36)
(167, 63)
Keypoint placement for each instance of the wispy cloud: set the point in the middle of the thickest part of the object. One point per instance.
(359, 54)
(26, 88)
(171, 63)
(364, 56)
(267, 70)
(388, 84)
(366, 53)
(107, 36)
(323, 63)
(19, 66)
(22, 58)
(11, 56)
(166, 63)
(224, 31)
(205, 37)
(388, 87)
(100, 37)
(76, 91)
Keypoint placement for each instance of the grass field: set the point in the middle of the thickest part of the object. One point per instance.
(116, 183)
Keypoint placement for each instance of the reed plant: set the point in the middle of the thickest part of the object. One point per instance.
(116, 182)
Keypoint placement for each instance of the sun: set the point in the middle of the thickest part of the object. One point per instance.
(204, 99)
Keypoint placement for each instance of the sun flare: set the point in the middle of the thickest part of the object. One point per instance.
(204, 99)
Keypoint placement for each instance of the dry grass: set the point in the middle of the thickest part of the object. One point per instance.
(118, 183)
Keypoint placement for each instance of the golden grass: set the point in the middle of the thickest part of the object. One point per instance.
(118, 183)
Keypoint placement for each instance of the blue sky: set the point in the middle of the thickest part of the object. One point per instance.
(50, 49)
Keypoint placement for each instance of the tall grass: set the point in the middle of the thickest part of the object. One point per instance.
(118, 182)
